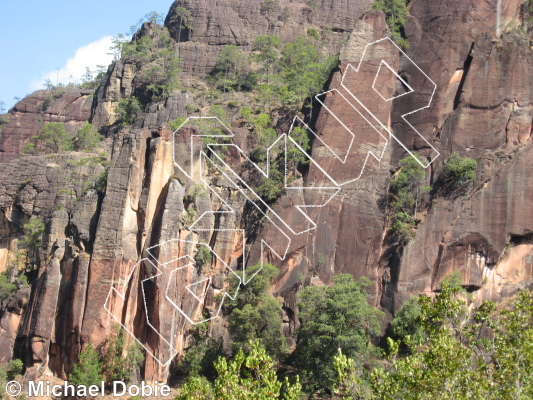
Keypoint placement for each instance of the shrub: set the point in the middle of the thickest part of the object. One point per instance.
(202, 257)
(128, 110)
(87, 138)
(52, 138)
(119, 361)
(407, 185)
(6, 288)
(313, 33)
(15, 368)
(88, 370)
(396, 12)
(33, 236)
(460, 170)
(403, 227)
(332, 318)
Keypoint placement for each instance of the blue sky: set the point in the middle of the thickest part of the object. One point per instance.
(40, 37)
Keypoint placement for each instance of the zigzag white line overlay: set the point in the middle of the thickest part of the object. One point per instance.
(284, 229)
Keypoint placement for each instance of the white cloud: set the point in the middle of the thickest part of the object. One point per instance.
(91, 55)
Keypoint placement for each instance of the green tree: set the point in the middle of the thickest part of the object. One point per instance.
(248, 376)
(461, 171)
(184, 19)
(351, 383)
(15, 368)
(396, 12)
(255, 314)
(333, 317)
(304, 69)
(463, 355)
(6, 288)
(32, 238)
(128, 110)
(87, 138)
(406, 321)
(230, 68)
(119, 361)
(202, 257)
(88, 370)
(294, 155)
(266, 52)
(52, 138)
(196, 388)
(406, 187)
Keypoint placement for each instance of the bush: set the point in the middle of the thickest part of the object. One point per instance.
(396, 12)
(88, 370)
(53, 138)
(128, 110)
(332, 318)
(406, 321)
(460, 170)
(33, 236)
(403, 227)
(87, 138)
(119, 362)
(6, 288)
(202, 257)
(15, 368)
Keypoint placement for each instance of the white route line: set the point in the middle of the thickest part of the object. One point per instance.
(277, 221)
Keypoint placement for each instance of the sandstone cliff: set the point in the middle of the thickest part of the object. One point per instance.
(99, 245)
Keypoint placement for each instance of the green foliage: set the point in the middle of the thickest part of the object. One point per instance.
(266, 52)
(406, 188)
(403, 227)
(32, 237)
(269, 6)
(405, 324)
(407, 184)
(176, 123)
(396, 12)
(100, 183)
(313, 33)
(6, 288)
(88, 370)
(304, 69)
(271, 188)
(201, 354)
(196, 388)
(87, 138)
(155, 58)
(15, 368)
(93, 79)
(251, 377)
(461, 171)
(119, 361)
(294, 155)
(248, 376)
(351, 384)
(255, 314)
(338, 316)
(53, 138)
(230, 68)
(463, 355)
(202, 257)
(128, 110)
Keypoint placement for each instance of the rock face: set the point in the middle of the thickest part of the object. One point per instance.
(484, 110)
(113, 255)
(202, 27)
(72, 106)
